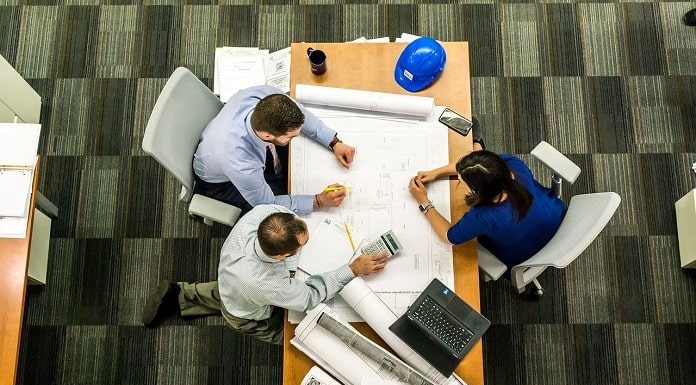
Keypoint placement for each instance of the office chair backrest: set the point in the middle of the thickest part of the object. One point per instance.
(183, 110)
(587, 215)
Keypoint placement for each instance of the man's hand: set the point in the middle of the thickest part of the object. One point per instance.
(344, 153)
(331, 198)
(418, 191)
(368, 264)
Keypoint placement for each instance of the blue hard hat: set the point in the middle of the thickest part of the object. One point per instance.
(420, 64)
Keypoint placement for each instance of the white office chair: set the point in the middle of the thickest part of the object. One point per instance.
(587, 215)
(181, 113)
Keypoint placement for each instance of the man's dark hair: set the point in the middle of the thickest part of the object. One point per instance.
(278, 234)
(277, 115)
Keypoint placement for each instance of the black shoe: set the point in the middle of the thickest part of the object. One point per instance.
(690, 18)
(165, 299)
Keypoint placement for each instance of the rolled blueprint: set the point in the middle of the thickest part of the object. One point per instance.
(343, 360)
(357, 341)
(418, 106)
(379, 316)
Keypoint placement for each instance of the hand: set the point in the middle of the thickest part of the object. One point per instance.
(344, 153)
(418, 191)
(427, 176)
(368, 264)
(332, 198)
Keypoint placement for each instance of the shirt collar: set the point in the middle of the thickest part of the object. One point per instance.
(252, 134)
(261, 255)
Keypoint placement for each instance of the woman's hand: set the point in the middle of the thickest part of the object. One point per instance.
(418, 190)
(427, 176)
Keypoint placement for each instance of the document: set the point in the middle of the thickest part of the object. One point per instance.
(388, 153)
(237, 68)
(347, 354)
(238, 72)
(372, 381)
(316, 376)
(18, 146)
(329, 247)
(278, 70)
(13, 227)
(15, 192)
(405, 105)
(19, 143)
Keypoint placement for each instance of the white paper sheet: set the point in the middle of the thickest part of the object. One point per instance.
(239, 72)
(316, 376)
(15, 191)
(406, 38)
(13, 227)
(384, 39)
(372, 381)
(278, 69)
(328, 247)
(385, 161)
(18, 144)
(404, 105)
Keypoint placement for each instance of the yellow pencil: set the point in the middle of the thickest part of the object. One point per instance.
(336, 188)
(350, 237)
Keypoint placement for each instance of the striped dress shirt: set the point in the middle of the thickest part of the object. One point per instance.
(251, 282)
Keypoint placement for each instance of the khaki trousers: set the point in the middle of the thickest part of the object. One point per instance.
(201, 299)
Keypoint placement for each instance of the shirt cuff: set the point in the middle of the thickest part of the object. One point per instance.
(305, 204)
(344, 274)
(325, 135)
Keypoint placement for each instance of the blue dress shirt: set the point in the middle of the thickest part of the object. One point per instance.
(498, 228)
(230, 150)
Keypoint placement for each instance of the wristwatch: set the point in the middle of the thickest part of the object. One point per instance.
(334, 141)
(425, 207)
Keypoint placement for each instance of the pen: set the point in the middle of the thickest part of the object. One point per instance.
(336, 188)
(350, 237)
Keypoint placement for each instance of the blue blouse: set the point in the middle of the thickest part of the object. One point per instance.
(500, 231)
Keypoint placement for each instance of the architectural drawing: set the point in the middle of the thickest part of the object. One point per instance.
(389, 152)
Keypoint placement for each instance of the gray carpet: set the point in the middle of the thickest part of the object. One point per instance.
(612, 84)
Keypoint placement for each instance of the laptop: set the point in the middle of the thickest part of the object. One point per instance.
(440, 327)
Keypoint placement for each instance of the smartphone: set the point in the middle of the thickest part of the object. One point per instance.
(455, 121)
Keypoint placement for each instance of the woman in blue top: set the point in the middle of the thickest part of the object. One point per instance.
(511, 214)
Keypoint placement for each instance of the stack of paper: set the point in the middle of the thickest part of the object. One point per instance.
(18, 146)
(237, 68)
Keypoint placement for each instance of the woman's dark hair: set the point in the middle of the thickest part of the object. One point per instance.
(278, 234)
(277, 115)
(488, 176)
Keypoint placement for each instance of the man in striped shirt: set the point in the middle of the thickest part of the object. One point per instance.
(254, 281)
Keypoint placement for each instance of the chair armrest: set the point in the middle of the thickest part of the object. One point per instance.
(214, 210)
(46, 206)
(559, 163)
(489, 264)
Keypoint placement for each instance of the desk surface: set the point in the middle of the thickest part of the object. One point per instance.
(370, 66)
(14, 259)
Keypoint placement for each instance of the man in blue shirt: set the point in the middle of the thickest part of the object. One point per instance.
(242, 155)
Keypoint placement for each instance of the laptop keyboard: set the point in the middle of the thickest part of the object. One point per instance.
(431, 315)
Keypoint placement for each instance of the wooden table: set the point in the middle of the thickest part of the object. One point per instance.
(14, 260)
(370, 66)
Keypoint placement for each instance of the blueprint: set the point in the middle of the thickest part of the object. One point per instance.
(389, 152)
